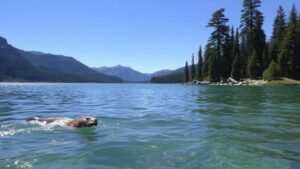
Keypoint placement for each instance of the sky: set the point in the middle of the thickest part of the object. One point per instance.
(147, 35)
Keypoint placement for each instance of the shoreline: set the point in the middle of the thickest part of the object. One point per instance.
(248, 82)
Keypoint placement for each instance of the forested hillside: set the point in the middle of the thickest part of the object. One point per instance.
(18, 65)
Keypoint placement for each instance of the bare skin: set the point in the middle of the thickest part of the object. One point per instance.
(82, 122)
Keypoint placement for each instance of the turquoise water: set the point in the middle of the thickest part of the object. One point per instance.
(151, 126)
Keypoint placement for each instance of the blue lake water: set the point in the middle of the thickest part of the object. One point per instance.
(151, 126)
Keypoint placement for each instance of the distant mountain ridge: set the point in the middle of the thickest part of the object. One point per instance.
(125, 73)
(35, 66)
(19, 65)
(15, 67)
(130, 75)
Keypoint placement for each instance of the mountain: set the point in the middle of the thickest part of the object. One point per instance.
(59, 63)
(15, 67)
(19, 65)
(130, 75)
(125, 73)
(161, 73)
(170, 78)
(175, 76)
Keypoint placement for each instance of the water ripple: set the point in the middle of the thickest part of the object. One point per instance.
(151, 126)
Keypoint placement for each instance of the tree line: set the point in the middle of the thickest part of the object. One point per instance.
(245, 52)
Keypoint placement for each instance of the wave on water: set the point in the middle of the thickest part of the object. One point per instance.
(21, 164)
(57, 123)
(28, 127)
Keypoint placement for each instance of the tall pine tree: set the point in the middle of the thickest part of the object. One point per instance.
(243, 56)
(289, 52)
(217, 41)
(253, 67)
(297, 65)
(208, 52)
(186, 72)
(199, 65)
(259, 44)
(228, 55)
(248, 19)
(279, 28)
(237, 66)
(266, 57)
(193, 69)
(213, 67)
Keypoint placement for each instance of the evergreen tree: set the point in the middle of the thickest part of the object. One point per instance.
(297, 62)
(289, 52)
(217, 41)
(220, 33)
(259, 39)
(266, 57)
(236, 43)
(199, 65)
(228, 55)
(248, 19)
(213, 74)
(279, 28)
(253, 68)
(208, 52)
(193, 69)
(237, 69)
(272, 72)
(170, 78)
(243, 56)
(186, 72)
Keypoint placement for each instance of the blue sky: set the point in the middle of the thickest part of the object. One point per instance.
(147, 35)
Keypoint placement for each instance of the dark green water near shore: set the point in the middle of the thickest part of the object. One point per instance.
(151, 126)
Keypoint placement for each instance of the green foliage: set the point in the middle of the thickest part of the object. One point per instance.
(279, 28)
(266, 57)
(249, 15)
(213, 74)
(259, 40)
(220, 32)
(249, 54)
(271, 73)
(217, 43)
(186, 72)
(244, 57)
(237, 65)
(237, 70)
(297, 58)
(193, 69)
(199, 72)
(171, 78)
(228, 55)
(290, 48)
(208, 52)
(253, 68)
(253, 38)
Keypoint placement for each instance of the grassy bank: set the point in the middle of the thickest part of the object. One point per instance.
(284, 82)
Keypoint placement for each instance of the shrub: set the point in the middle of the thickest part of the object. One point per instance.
(271, 73)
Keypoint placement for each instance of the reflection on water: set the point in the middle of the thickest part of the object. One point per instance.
(246, 128)
(88, 133)
(151, 126)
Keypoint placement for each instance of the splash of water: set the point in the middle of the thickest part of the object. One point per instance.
(29, 127)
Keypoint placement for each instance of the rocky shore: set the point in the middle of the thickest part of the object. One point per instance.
(230, 82)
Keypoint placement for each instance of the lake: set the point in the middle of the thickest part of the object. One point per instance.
(151, 126)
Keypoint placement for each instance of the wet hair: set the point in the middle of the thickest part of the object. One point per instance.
(31, 119)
